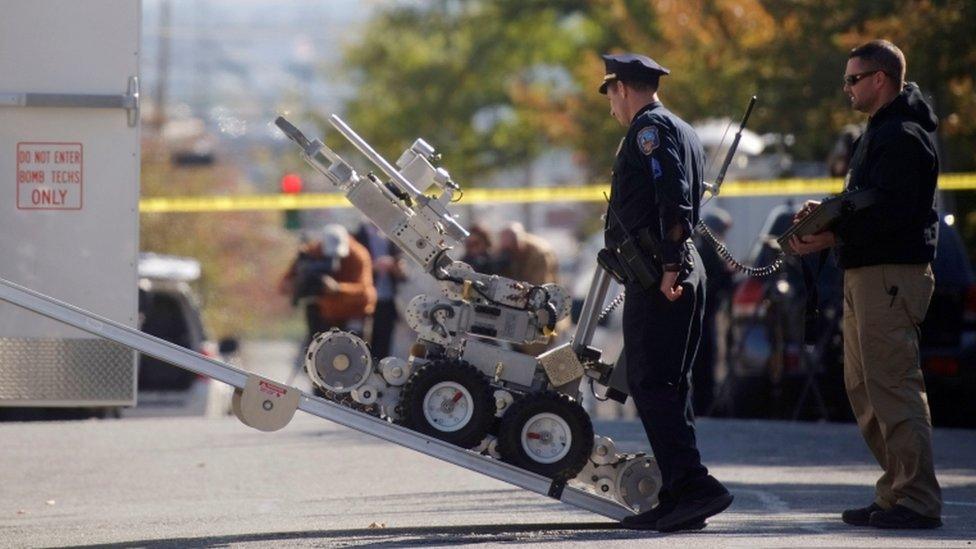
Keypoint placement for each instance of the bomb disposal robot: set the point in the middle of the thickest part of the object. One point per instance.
(456, 386)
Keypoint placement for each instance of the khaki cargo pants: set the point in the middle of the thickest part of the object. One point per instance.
(883, 307)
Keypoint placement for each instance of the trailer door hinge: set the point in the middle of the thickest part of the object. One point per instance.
(128, 101)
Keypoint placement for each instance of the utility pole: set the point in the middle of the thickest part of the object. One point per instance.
(202, 55)
(165, 13)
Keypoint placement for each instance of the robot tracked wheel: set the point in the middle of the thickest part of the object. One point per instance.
(338, 361)
(450, 400)
(638, 483)
(547, 433)
(634, 480)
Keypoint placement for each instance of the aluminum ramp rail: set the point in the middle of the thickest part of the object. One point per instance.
(197, 363)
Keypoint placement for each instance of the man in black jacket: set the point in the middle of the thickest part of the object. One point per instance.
(886, 252)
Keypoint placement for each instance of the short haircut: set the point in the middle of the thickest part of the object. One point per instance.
(884, 56)
(642, 85)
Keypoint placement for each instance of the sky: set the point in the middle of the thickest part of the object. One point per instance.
(238, 62)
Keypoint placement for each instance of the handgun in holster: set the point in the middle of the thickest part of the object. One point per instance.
(629, 262)
(640, 263)
(636, 259)
(607, 259)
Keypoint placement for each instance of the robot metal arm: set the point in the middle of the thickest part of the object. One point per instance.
(420, 226)
(423, 227)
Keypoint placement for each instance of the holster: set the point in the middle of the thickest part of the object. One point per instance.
(607, 259)
(634, 262)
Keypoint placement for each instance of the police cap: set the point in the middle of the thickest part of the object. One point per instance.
(630, 67)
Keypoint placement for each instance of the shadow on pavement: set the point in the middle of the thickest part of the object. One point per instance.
(788, 508)
(785, 443)
(762, 526)
(415, 536)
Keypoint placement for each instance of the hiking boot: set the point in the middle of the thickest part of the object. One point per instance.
(690, 513)
(648, 519)
(902, 518)
(861, 515)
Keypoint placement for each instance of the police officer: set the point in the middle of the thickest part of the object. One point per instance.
(655, 197)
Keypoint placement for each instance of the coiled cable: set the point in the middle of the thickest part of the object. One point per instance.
(724, 253)
(611, 306)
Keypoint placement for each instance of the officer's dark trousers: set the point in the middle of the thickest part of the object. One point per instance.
(660, 341)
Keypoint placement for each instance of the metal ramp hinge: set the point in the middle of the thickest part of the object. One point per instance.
(264, 404)
(556, 489)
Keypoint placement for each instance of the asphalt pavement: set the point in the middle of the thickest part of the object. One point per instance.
(195, 482)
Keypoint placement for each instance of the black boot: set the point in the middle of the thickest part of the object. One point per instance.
(900, 517)
(648, 519)
(861, 515)
(694, 506)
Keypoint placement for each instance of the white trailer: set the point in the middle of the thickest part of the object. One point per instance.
(69, 178)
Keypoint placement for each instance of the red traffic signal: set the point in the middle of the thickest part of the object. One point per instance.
(291, 183)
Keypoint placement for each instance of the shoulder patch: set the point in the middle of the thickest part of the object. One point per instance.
(648, 140)
(656, 168)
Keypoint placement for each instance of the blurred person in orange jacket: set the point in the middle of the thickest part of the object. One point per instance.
(332, 277)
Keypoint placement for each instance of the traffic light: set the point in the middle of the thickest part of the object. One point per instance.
(291, 183)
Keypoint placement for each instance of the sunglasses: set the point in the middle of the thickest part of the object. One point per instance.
(852, 79)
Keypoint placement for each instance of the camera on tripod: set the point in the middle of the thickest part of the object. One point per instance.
(309, 271)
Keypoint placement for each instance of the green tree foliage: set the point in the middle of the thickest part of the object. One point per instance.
(465, 76)
(811, 49)
(493, 83)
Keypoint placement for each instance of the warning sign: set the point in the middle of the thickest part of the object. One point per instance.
(49, 176)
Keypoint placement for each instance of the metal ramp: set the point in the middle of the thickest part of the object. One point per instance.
(268, 405)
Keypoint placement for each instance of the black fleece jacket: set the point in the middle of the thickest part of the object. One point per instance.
(897, 155)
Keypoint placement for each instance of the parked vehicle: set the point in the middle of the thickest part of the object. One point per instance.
(948, 341)
(772, 374)
(169, 309)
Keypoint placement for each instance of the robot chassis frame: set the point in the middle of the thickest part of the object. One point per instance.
(457, 384)
(505, 414)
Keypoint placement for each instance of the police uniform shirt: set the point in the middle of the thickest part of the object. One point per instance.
(656, 180)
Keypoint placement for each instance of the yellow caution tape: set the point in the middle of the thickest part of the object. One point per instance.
(243, 203)
(588, 193)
